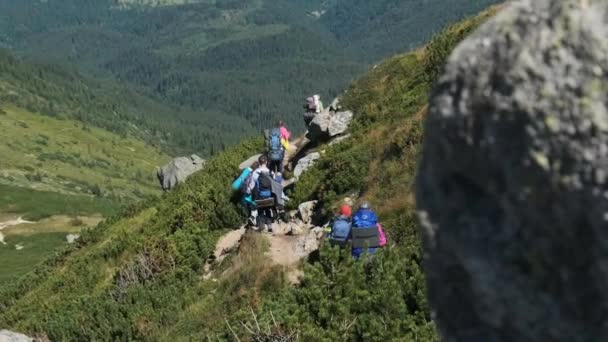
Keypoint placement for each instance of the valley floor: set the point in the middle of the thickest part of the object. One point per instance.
(24, 243)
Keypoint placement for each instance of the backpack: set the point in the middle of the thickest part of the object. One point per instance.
(364, 218)
(241, 182)
(275, 150)
(365, 229)
(264, 186)
(340, 231)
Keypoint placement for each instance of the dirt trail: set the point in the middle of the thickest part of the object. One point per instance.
(283, 249)
(10, 223)
(14, 222)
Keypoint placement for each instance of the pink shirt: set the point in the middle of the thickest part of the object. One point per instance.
(285, 133)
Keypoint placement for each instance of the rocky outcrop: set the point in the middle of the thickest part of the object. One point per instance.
(306, 211)
(512, 188)
(9, 336)
(329, 124)
(178, 170)
(305, 164)
(71, 238)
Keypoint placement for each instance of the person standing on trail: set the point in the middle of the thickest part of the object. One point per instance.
(285, 134)
(263, 161)
(339, 230)
(367, 234)
(241, 184)
(276, 149)
(312, 107)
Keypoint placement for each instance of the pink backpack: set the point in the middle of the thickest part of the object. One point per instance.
(382, 236)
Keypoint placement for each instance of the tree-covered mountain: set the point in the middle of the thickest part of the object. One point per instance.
(57, 92)
(222, 59)
(140, 275)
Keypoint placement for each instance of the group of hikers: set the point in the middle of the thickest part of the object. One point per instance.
(261, 187)
(361, 231)
(261, 183)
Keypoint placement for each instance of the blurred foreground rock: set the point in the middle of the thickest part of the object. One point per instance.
(512, 189)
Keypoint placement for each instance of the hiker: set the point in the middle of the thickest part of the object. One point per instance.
(276, 150)
(241, 184)
(312, 107)
(339, 231)
(367, 234)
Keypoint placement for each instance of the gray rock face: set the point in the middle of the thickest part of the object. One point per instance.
(339, 123)
(329, 124)
(512, 188)
(9, 336)
(178, 170)
(306, 211)
(305, 164)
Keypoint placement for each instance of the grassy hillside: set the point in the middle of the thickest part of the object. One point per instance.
(64, 175)
(68, 157)
(139, 275)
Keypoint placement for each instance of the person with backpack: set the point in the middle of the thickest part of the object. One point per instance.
(367, 234)
(241, 184)
(276, 151)
(312, 107)
(340, 228)
(263, 190)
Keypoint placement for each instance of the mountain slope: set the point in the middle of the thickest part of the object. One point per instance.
(139, 276)
(56, 169)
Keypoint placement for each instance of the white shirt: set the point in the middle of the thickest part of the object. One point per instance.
(256, 176)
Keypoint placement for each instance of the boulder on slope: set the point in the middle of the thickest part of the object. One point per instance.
(305, 164)
(177, 170)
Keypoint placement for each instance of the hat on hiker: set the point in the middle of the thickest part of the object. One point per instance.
(346, 210)
(365, 205)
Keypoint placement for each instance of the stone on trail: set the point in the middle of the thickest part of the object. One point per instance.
(177, 170)
(305, 164)
(513, 189)
(306, 211)
(9, 336)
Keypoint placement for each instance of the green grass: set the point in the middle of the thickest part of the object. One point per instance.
(64, 156)
(35, 205)
(36, 248)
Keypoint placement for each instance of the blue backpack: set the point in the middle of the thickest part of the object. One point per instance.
(365, 218)
(340, 231)
(365, 231)
(264, 186)
(275, 149)
(240, 184)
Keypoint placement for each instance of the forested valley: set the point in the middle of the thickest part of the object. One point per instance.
(196, 76)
